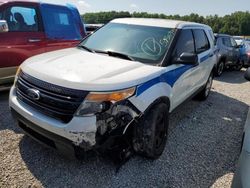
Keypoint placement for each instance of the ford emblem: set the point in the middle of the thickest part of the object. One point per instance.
(33, 94)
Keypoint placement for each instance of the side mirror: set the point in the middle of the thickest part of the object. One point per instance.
(247, 74)
(3, 26)
(188, 59)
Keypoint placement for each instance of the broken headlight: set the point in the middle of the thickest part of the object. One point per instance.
(98, 102)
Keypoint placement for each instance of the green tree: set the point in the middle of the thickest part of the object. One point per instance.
(237, 23)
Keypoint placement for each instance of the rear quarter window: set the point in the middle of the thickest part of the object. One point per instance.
(226, 41)
(201, 41)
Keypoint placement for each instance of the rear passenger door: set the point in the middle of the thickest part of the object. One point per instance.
(206, 56)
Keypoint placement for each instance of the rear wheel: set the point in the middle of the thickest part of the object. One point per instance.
(203, 95)
(151, 134)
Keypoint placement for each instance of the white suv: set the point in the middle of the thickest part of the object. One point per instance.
(117, 87)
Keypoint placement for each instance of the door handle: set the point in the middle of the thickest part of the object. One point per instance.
(34, 40)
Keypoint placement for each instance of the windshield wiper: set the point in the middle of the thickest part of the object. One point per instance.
(110, 53)
(116, 54)
(86, 48)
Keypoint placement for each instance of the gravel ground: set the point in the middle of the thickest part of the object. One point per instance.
(202, 150)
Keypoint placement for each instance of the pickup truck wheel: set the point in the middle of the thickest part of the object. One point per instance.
(238, 66)
(220, 68)
(203, 95)
(151, 133)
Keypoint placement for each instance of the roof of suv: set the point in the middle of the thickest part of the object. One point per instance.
(158, 22)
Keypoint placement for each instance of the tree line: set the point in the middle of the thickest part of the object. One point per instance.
(237, 23)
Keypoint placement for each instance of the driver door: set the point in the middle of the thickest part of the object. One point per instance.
(185, 76)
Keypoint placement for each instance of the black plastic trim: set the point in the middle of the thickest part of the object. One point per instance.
(49, 139)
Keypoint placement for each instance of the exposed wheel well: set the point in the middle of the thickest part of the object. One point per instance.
(222, 59)
(162, 99)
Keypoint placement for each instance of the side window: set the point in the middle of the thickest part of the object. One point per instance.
(185, 43)
(233, 43)
(59, 22)
(224, 41)
(21, 19)
(201, 41)
(63, 19)
(227, 42)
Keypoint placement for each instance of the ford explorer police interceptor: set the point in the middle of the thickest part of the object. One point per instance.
(118, 86)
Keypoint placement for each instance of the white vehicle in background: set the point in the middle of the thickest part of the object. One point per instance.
(117, 87)
(239, 40)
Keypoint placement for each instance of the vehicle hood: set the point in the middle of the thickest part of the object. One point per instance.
(79, 69)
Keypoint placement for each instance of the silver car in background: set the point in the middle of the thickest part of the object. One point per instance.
(242, 174)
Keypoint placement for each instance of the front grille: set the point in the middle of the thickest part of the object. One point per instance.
(55, 101)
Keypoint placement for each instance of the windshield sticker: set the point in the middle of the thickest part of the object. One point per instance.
(151, 47)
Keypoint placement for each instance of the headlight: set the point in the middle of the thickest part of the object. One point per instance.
(97, 102)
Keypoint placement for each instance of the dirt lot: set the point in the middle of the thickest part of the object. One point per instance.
(202, 150)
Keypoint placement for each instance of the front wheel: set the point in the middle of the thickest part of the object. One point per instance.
(151, 134)
(220, 68)
(203, 95)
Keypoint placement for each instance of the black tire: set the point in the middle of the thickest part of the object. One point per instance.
(151, 133)
(220, 68)
(238, 66)
(203, 95)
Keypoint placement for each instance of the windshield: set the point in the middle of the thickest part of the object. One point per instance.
(142, 43)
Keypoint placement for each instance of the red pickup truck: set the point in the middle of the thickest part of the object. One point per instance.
(28, 28)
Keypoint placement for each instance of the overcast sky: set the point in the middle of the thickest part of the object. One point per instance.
(182, 7)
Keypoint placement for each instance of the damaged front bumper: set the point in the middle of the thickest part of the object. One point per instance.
(85, 133)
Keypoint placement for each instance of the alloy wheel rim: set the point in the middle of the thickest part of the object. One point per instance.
(220, 69)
